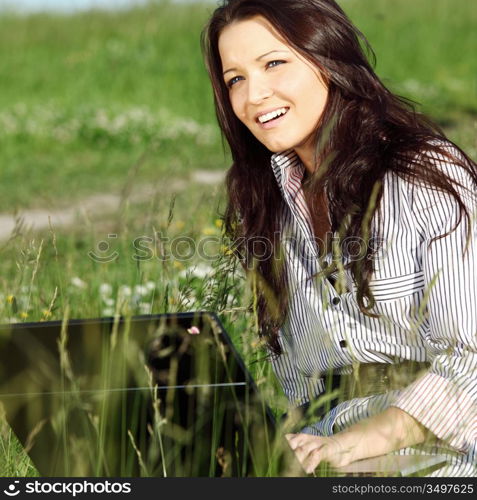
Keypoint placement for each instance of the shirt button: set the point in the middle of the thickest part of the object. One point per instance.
(335, 301)
(325, 264)
(343, 343)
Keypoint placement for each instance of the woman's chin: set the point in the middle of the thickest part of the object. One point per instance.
(278, 147)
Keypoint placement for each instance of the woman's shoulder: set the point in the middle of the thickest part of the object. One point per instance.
(424, 195)
(440, 156)
(438, 160)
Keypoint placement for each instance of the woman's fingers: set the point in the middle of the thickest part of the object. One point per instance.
(312, 460)
(305, 451)
(311, 450)
(306, 448)
(296, 440)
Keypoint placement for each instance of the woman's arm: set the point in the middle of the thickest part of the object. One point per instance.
(388, 431)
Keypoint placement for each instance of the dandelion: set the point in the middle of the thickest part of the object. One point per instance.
(10, 299)
(193, 330)
(177, 264)
(23, 315)
(219, 223)
(46, 313)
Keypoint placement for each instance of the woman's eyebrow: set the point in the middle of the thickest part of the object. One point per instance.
(257, 59)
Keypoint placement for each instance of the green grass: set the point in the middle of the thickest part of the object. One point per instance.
(84, 97)
(14, 462)
(424, 50)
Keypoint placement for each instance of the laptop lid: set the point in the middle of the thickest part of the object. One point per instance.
(152, 395)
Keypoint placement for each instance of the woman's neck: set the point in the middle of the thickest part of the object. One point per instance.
(308, 157)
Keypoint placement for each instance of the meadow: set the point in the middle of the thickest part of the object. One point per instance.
(112, 102)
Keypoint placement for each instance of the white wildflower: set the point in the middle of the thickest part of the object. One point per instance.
(141, 290)
(201, 270)
(124, 291)
(105, 289)
(78, 282)
(144, 308)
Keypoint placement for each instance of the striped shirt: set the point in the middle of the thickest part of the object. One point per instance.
(426, 296)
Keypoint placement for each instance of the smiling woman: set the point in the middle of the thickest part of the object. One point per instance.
(381, 307)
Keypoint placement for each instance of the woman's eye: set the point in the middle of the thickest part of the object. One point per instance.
(272, 64)
(233, 81)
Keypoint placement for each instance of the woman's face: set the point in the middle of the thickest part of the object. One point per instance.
(276, 93)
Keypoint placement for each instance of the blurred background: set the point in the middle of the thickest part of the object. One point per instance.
(108, 134)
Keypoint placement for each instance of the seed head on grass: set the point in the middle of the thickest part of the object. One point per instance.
(142, 465)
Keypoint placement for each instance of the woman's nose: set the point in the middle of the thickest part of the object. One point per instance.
(258, 90)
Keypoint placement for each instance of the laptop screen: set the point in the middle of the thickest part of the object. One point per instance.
(155, 395)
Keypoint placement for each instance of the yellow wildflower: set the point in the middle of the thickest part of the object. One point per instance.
(226, 250)
(23, 315)
(219, 223)
(209, 231)
(10, 299)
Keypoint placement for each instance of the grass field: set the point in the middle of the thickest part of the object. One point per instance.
(84, 98)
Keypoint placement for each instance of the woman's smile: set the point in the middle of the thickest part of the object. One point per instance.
(270, 119)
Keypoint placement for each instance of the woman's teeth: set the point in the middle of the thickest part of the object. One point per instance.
(272, 115)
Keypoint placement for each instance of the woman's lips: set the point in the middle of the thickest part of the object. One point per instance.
(274, 122)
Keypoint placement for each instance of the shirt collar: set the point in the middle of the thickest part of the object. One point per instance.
(284, 164)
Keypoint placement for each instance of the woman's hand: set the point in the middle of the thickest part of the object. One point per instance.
(378, 435)
(312, 450)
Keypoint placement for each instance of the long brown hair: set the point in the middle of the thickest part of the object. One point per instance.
(365, 131)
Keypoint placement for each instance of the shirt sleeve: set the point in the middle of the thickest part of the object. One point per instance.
(444, 400)
(297, 388)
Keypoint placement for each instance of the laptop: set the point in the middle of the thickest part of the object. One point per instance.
(153, 395)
